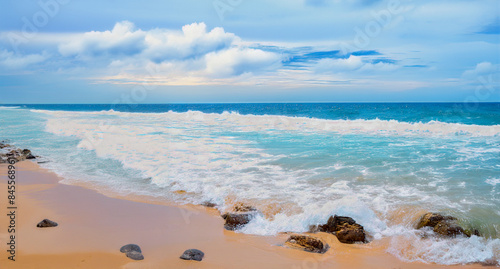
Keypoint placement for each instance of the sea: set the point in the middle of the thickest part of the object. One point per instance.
(383, 164)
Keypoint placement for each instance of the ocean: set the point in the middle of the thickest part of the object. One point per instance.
(383, 164)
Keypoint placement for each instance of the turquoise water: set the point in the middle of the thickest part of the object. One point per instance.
(382, 164)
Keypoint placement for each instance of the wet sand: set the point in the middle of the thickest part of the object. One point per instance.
(93, 227)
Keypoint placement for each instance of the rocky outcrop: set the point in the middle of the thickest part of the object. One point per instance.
(10, 152)
(443, 225)
(242, 214)
(235, 221)
(46, 223)
(193, 255)
(307, 243)
(132, 251)
(345, 228)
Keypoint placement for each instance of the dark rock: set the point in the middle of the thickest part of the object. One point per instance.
(336, 223)
(345, 228)
(134, 255)
(352, 234)
(46, 223)
(432, 219)
(27, 154)
(130, 247)
(132, 251)
(307, 243)
(235, 221)
(442, 225)
(192, 254)
(448, 228)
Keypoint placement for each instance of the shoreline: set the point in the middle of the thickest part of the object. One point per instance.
(93, 227)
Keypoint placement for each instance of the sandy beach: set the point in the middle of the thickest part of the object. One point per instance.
(93, 227)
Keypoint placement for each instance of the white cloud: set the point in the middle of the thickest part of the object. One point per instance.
(124, 39)
(353, 63)
(193, 41)
(236, 61)
(339, 65)
(482, 69)
(11, 60)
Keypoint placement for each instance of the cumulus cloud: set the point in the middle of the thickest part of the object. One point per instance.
(124, 39)
(192, 54)
(193, 41)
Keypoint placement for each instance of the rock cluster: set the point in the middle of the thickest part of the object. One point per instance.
(307, 243)
(345, 228)
(132, 251)
(10, 152)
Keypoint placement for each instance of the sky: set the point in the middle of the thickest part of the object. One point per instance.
(197, 51)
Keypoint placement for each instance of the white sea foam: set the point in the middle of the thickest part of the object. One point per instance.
(493, 181)
(9, 107)
(206, 155)
(272, 122)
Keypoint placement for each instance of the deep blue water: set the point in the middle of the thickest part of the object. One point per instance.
(474, 113)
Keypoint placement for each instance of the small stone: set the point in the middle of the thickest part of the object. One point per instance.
(130, 247)
(46, 223)
(192, 254)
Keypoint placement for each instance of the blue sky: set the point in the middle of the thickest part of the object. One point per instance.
(71, 51)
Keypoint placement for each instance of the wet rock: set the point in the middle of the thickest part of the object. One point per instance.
(241, 207)
(472, 232)
(241, 215)
(235, 221)
(345, 228)
(442, 225)
(432, 219)
(10, 152)
(27, 154)
(192, 254)
(132, 251)
(46, 223)
(490, 262)
(307, 243)
(352, 234)
(130, 247)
